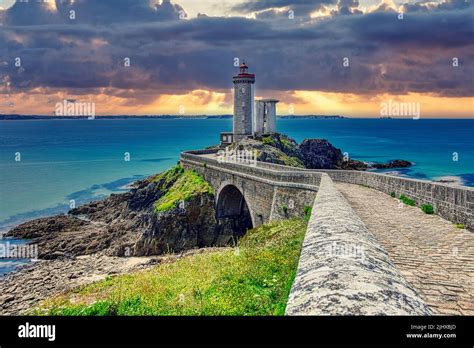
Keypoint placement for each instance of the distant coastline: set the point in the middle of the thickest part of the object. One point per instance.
(122, 117)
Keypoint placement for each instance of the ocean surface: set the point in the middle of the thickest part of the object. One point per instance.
(47, 165)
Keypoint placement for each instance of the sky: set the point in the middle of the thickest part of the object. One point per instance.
(142, 57)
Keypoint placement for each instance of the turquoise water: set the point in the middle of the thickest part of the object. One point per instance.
(81, 160)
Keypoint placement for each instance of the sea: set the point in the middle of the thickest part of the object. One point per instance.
(48, 166)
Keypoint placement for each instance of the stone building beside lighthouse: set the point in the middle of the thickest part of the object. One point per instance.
(265, 116)
(250, 118)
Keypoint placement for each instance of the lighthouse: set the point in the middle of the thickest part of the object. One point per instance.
(247, 122)
(243, 103)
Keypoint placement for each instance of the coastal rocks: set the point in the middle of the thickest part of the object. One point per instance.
(191, 225)
(392, 164)
(130, 225)
(271, 150)
(321, 154)
(282, 142)
(62, 236)
(311, 154)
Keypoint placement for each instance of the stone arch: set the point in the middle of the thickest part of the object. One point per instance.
(233, 209)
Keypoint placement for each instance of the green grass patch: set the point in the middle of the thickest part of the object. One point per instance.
(288, 145)
(307, 212)
(461, 226)
(253, 279)
(187, 184)
(291, 161)
(268, 140)
(392, 194)
(427, 209)
(170, 176)
(407, 200)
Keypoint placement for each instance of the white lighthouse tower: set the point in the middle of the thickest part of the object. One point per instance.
(247, 122)
(243, 103)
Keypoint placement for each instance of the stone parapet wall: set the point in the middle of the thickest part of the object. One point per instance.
(291, 202)
(343, 270)
(258, 171)
(455, 204)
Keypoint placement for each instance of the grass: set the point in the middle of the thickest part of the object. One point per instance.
(170, 176)
(291, 161)
(427, 209)
(307, 212)
(461, 226)
(186, 184)
(286, 143)
(253, 279)
(282, 156)
(407, 200)
(392, 194)
(268, 140)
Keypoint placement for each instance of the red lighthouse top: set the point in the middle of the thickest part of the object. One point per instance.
(244, 71)
(243, 68)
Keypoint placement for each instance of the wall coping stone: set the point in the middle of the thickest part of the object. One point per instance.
(361, 281)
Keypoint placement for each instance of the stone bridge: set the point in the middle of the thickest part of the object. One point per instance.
(267, 194)
(373, 281)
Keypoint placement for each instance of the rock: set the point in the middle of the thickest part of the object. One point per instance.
(321, 154)
(44, 226)
(392, 164)
(271, 149)
(128, 225)
(311, 153)
(6, 298)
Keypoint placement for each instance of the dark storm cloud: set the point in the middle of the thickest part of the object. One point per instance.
(347, 7)
(91, 11)
(175, 56)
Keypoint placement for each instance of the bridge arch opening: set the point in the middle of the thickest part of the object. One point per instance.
(233, 213)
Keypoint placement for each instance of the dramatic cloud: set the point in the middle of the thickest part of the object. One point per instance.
(91, 11)
(300, 6)
(170, 55)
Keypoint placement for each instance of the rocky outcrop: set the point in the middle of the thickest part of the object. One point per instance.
(392, 164)
(276, 148)
(193, 225)
(311, 153)
(321, 154)
(129, 224)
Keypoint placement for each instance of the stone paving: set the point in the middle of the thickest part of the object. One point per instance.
(433, 255)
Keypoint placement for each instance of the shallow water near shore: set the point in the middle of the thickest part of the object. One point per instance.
(65, 163)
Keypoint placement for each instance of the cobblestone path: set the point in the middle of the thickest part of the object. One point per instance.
(433, 255)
